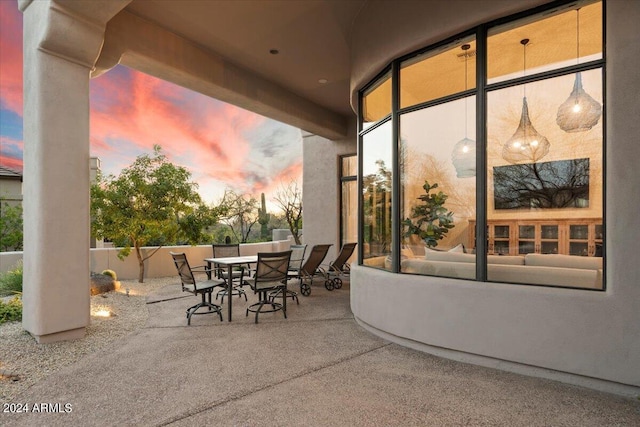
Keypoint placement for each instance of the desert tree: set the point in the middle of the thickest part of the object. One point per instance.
(239, 212)
(151, 202)
(289, 199)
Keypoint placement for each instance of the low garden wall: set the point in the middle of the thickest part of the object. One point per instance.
(159, 265)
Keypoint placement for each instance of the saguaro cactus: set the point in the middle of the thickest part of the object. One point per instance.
(263, 218)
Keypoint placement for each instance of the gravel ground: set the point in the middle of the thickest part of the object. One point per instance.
(23, 362)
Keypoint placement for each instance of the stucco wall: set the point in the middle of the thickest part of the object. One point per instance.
(593, 335)
(159, 265)
(321, 188)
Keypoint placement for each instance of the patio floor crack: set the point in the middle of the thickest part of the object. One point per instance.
(232, 398)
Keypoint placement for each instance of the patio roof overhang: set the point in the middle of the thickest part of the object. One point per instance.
(224, 49)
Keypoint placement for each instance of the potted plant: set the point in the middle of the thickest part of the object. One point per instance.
(430, 220)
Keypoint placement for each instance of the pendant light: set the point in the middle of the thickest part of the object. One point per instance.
(526, 144)
(580, 112)
(464, 152)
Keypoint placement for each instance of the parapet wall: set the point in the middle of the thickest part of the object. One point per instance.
(159, 265)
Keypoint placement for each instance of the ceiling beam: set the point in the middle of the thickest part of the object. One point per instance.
(147, 47)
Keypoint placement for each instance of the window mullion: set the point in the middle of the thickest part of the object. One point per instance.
(481, 157)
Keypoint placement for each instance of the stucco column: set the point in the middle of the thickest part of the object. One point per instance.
(61, 45)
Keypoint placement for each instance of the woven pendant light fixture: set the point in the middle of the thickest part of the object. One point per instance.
(580, 112)
(464, 152)
(526, 144)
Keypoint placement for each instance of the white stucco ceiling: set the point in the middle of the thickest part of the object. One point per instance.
(312, 38)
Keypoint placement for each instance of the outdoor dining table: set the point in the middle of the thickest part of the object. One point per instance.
(230, 262)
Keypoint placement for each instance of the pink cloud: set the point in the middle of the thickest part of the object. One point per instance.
(11, 153)
(10, 57)
(132, 111)
(190, 127)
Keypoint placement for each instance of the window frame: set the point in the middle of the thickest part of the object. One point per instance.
(343, 179)
(481, 91)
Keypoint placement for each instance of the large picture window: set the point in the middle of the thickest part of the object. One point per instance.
(526, 104)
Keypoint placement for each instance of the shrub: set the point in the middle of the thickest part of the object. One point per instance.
(11, 281)
(11, 311)
(110, 273)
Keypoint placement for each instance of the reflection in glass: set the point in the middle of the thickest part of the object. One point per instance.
(376, 196)
(554, 43)
(349, 200)
(438, 73)
(436, 205)
(558, 184)
(541, 198)
(376, 101)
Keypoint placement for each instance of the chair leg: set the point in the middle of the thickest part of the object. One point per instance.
(265, 299)
(204, 303)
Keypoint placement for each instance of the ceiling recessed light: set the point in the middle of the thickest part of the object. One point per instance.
(323, 81)
(274, 51)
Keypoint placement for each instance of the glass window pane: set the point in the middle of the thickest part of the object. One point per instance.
(439, 73)
(554, 41)
(438, 190)
(349, 199)
(541, 189)
(376, 196)
(349, 230)
(376, 101)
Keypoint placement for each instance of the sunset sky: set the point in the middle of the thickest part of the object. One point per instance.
(222, 145)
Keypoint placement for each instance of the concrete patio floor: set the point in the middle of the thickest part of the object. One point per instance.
(318, 367)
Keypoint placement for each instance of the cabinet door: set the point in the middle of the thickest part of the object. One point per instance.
(527, 242)
(549, 239)
(579, 239)
(499, 239)
(596, 239)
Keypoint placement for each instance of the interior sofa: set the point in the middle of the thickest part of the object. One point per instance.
(541, 269)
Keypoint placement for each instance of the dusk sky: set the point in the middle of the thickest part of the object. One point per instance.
(223, 146)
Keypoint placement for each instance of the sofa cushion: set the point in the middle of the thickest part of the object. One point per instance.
(565, 261)
(458, 270)
(431, 255)
(505, 259)
(377, 262)
(538, 275)
(459, 248)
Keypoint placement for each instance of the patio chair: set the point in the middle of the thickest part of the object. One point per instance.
(270, 275)
(189, 284)
(225, 251)
(312, 268)
(340, 267)
(295, 264)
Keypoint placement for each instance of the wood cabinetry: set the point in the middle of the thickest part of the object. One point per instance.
(582, 237)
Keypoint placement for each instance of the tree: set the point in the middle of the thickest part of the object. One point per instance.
(289, 199)
(376, 207)
(239, 212)
(151, 201)
(10, 226)
(263, 219)
(433, 220)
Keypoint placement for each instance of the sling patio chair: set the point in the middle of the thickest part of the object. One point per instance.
(225, 251)
(312, 268)
(189, 284)
(295, 265)
(271, 275)
(340, 267)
